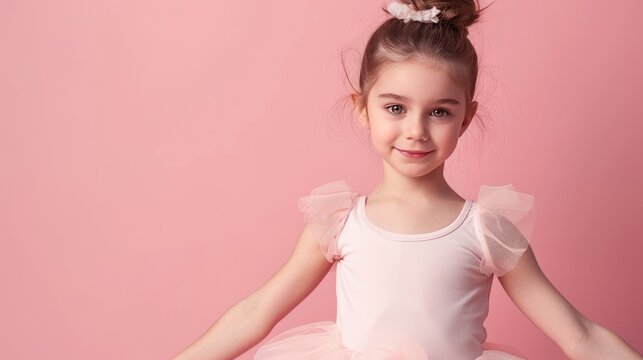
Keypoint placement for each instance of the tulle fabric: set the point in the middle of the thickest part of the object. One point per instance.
(326, 210)
(322, 341)
(504, 225)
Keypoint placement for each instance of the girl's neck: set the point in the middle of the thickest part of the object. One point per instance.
(429, 188)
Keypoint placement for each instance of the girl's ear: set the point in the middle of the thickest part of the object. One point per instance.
(363, 118)
(469, 117)
(361, 110)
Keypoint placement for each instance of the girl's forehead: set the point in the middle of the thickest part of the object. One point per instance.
(417, 80)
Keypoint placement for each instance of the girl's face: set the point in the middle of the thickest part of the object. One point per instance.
(416, 106)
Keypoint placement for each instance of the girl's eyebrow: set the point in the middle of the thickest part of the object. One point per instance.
(404, 98)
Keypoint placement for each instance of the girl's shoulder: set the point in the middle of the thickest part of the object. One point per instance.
(503, 220)
(336, 192)
(325, 209)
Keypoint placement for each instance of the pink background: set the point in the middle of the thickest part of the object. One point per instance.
(152, 154)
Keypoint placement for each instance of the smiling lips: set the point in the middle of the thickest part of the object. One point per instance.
(412, 153)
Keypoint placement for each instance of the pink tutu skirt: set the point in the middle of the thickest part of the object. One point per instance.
(322, 341)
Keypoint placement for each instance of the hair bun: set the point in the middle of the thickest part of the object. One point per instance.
(459, 13)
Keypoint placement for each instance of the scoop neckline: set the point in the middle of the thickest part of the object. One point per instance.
(361, 210)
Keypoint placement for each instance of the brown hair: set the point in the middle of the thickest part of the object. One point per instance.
(446, 41)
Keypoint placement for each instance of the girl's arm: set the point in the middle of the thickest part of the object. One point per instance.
(249, 321)
(577, 336)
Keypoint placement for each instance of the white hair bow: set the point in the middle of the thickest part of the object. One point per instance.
(405, 12)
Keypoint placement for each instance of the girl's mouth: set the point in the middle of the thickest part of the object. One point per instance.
(413, 154)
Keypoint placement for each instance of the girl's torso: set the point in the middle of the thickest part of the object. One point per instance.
(420, 287)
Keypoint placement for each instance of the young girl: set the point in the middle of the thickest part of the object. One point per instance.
(415, 261)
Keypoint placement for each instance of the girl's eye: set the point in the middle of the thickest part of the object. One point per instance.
(440, 112)
(395, 109)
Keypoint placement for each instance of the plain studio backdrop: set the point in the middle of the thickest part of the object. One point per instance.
(152, 154)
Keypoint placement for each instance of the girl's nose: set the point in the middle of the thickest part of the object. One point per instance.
(415, 129)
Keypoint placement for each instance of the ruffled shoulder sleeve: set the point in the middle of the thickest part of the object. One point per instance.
(504, 223)
(326, 210)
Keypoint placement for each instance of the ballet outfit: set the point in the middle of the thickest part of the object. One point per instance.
(409, 296)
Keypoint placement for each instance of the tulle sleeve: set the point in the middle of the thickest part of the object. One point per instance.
(504, 223)
(326, 210)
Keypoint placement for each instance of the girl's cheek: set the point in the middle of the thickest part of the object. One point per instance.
(382, 127)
